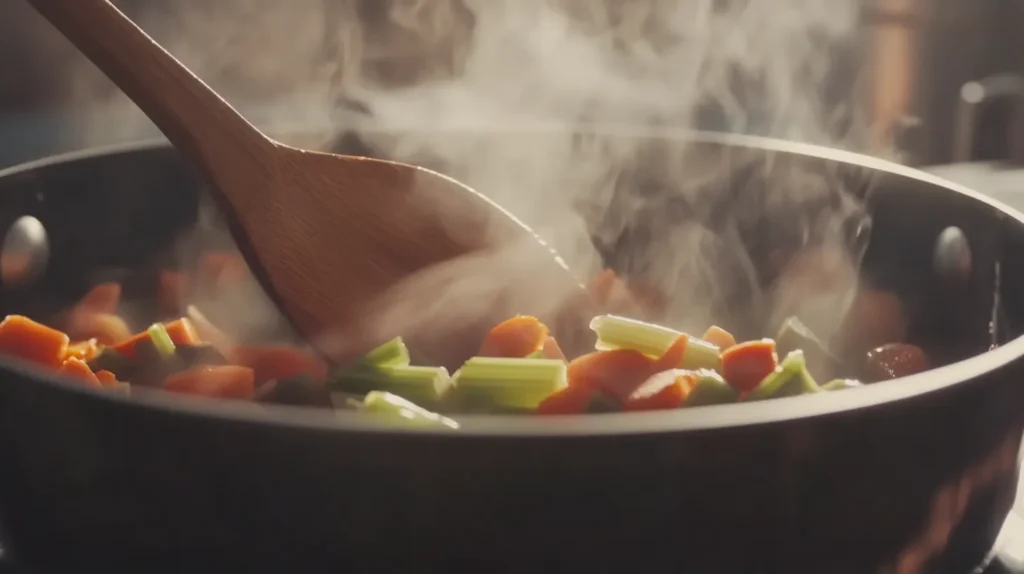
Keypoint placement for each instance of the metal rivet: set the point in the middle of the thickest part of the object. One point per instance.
(25, 253)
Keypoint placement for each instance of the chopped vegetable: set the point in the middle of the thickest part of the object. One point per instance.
(103, 298)
(615, 332)
(394, 353)
(518, 337)
(894, 361)
(24, 338)
(161, 340)
(183, 332)
(665, 390)
(841, 385)
(617, 373)
(551, 350)
(421, 385)
(719, 337)
(106, 328)
(745, 365)
(77, 369)
(110, 360)
(711, 389)
(84, 350)
(789, 379)
(490, 383)
(227, 382)
(794, 335)
(397, 409)
(107, 379)
(279, 362)
(568, 401)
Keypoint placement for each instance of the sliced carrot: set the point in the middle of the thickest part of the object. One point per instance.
(719, 337)
(665, 390)
(567, 401)
(515, 338)
(77, 369)
(183, 332)
(227, 382)
(126, 347)
(551, 349)
(26, 339)
(745, 365)
(84, 350)
(107, 379)
(673, 356)
(106, 328)
(279, 363)
(171, 291)
(103, 298)
(618, 373)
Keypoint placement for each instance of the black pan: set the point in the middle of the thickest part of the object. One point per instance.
(915, 475)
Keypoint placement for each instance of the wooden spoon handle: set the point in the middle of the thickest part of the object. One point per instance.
(193, 117)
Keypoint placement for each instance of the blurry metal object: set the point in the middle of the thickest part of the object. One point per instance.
(24, 254)
(976, 98)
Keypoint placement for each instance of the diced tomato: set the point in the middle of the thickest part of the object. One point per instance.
(745, 365)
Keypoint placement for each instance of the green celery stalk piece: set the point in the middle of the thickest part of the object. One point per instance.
(789, 379)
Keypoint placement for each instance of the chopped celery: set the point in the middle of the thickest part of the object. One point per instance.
(711, 389)
(161, 340)
(841, 385)
(394, 353)
(789, 379)
(794, 335)
(614, 332)
(423, 385)
(492, 384)
(400, 410)
(701, 354)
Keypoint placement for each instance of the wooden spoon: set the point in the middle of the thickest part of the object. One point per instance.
(333, 239)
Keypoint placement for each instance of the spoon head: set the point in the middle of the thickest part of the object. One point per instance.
(355, 251)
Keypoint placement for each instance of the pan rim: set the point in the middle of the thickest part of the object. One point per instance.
(684, 420)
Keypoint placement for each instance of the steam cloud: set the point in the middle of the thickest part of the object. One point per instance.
(528, 101)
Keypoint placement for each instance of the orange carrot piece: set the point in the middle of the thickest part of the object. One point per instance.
(227, 382)
(107, 379)
(551, 349)
(126, 347)
(745, 365)
(103, 298)
(665, 390)
(618, 373)
(77, 369)
(106, 328)
(567, 401)
(171, 292)
(26, 339)
(182, 332)
(516, 338)
(279, 363)
(719, 337)
(84, 350)
(673, 355)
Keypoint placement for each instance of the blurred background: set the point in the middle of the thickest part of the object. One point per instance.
(933, 81)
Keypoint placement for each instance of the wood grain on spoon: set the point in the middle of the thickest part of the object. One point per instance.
(325, 234)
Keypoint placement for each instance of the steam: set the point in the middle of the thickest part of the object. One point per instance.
(542, 105)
